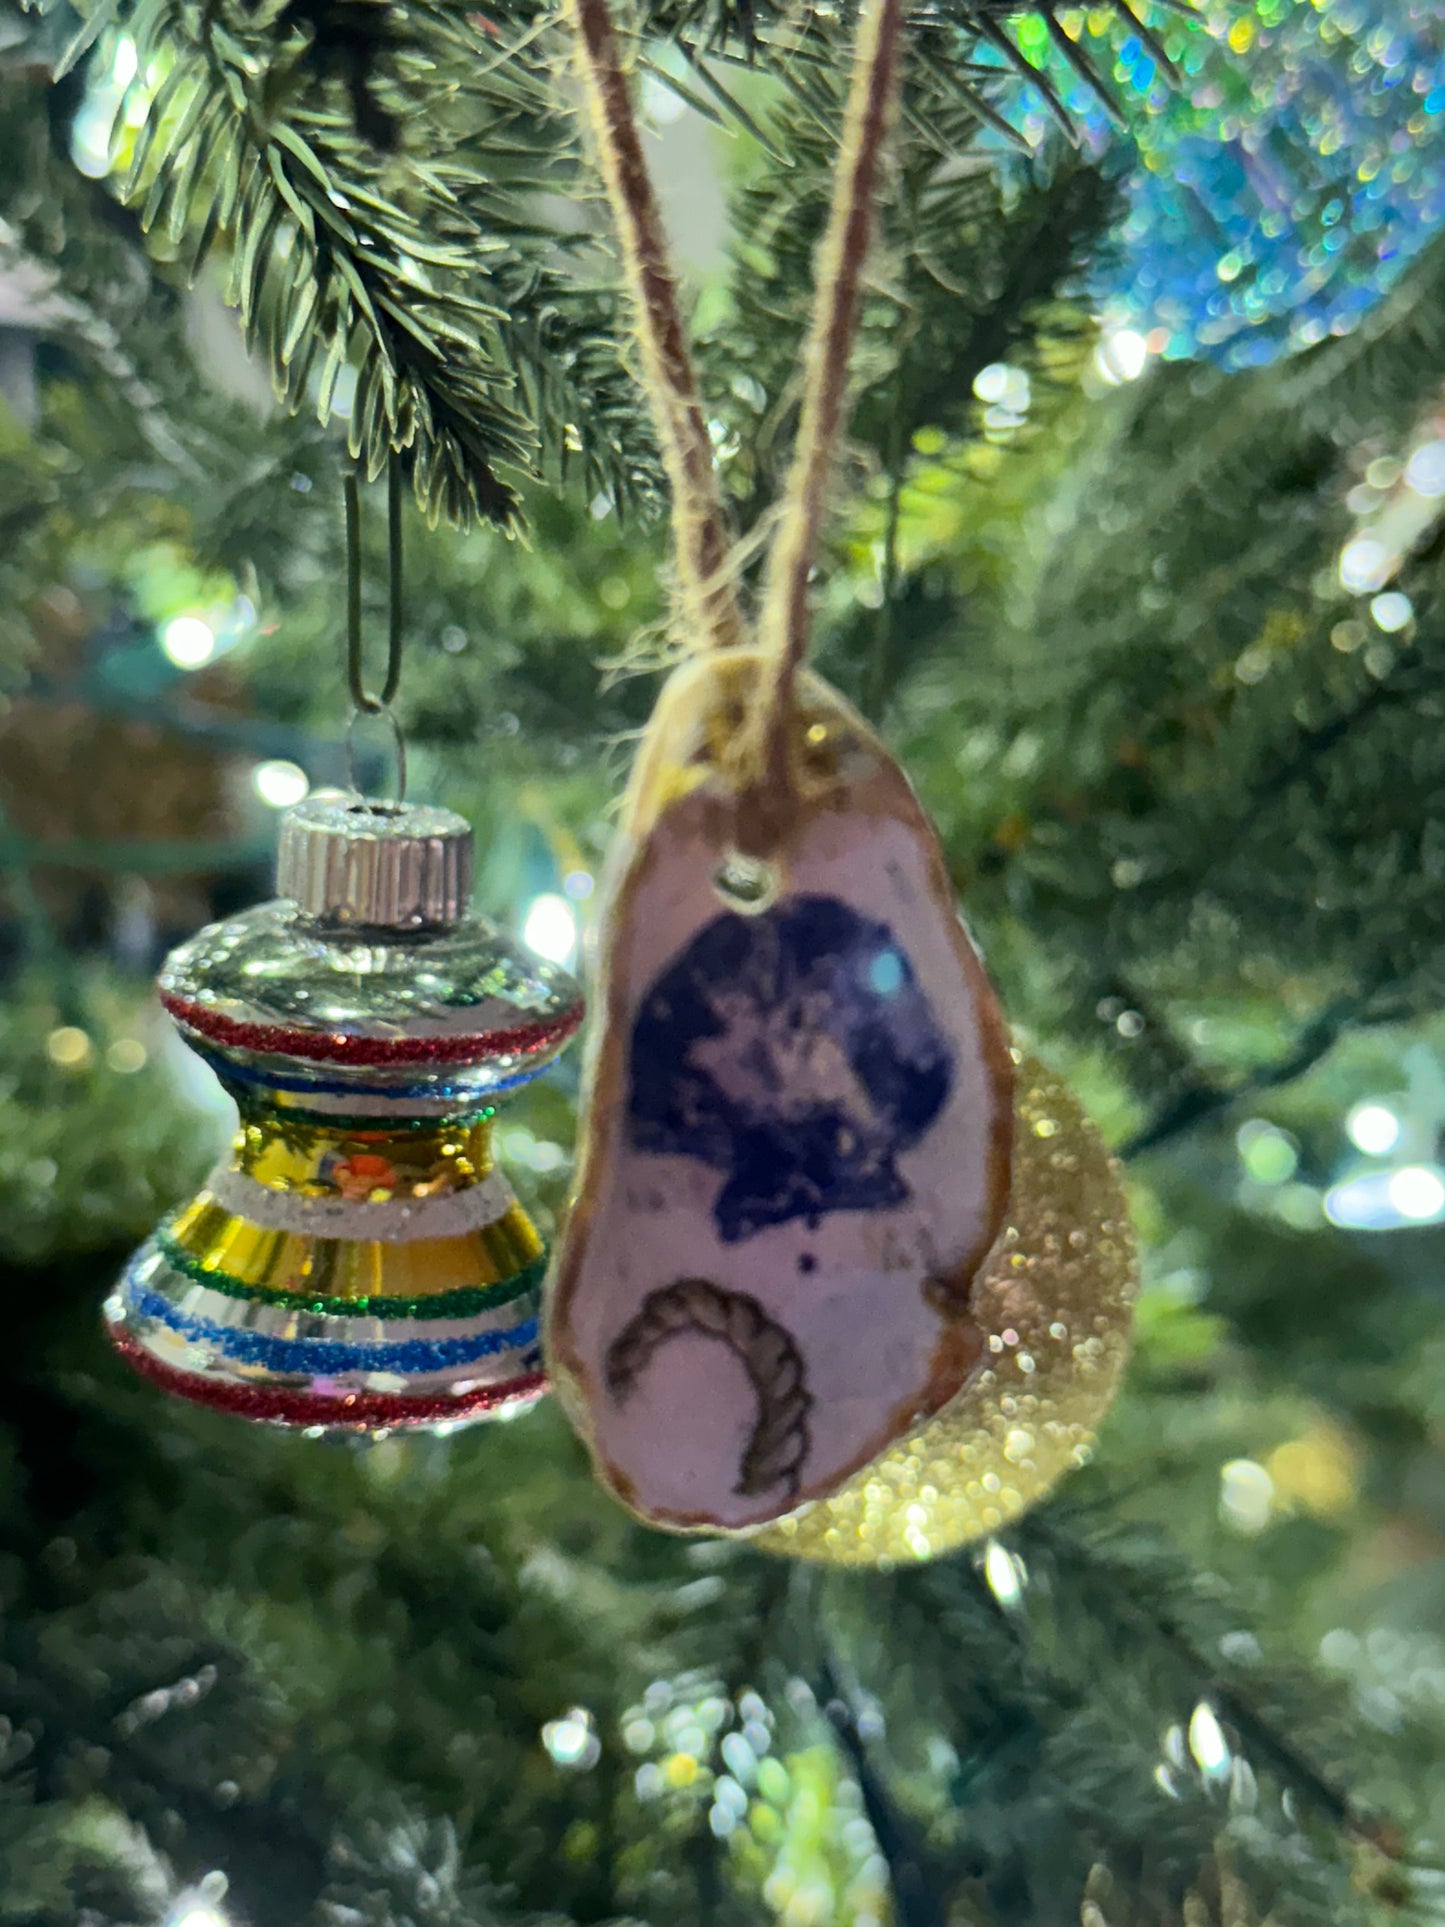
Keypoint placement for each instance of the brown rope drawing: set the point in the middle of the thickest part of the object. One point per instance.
(780, 1439)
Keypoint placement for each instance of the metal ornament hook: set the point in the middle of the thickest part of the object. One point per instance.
(364, 702)
(398, 743)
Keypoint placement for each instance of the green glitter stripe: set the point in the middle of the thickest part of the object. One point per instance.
(339, 1125)
(465, 1302)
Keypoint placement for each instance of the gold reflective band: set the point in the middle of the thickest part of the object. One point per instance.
(364, 1165)
(284, 1261)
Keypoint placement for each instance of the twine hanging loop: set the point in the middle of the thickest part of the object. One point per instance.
(761, 765)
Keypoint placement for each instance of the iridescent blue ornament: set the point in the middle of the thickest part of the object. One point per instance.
(1279, 184)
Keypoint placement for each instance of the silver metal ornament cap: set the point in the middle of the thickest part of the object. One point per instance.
(375, 866)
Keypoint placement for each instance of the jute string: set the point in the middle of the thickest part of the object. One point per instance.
(698, 523)
(763, 765)
(765, 761)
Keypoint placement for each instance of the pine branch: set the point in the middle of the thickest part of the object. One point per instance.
(738, 30)
(1209, 755)
(1046, 1718)
(1142, 1600)
(968, 272)
(912, 1877)
(1201, 1099)
(476, 344)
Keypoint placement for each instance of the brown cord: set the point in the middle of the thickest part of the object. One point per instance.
(699, 524)
(766, 752)
(764, 766)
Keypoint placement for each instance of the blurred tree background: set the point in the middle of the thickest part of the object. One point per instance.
(1137, 564)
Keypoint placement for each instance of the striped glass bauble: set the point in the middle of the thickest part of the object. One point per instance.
(358, 1261)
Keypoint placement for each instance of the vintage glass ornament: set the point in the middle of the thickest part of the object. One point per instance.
(797, 1124)
(1054, 1299)
(358, 1261)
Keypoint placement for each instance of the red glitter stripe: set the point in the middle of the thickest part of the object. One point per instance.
(336, 1047)
(351, 1411)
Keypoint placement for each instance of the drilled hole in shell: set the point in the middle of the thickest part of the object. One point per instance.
(820, 746)
(746, 884)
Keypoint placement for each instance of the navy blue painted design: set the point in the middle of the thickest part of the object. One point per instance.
(795, 1052)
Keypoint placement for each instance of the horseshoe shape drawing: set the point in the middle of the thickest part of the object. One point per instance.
(780, 1439)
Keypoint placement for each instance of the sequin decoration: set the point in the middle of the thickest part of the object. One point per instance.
(1284, 182)
(1055, 1297)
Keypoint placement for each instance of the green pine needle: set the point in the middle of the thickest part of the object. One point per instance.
(420, 287)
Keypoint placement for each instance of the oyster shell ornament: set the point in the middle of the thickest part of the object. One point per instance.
(798, 1102)
(798, 1114)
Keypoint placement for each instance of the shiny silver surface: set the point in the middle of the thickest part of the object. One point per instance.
(375, 866)
(272, 966)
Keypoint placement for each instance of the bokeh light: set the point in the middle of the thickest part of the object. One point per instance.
(572, 1740)
(188, 641)
(1425, 470)
(1382, 1200)
(1392, 612)
(1122, 355)
(280, 784)
(1269, 1156)
(1417, 1192)
(1373, 1128)
(1365, 564)
(70, 1048)
(1246, 1496)
(550, 928)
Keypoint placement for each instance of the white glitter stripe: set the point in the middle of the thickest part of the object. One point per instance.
(398, 1221)
(405, 1105)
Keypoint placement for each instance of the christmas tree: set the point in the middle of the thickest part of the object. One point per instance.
(1133, 559)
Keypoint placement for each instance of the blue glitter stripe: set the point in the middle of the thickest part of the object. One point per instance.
(323, 1355)
(230, 1071)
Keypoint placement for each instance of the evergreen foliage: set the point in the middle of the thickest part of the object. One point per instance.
(1188, 793)
(434, 280)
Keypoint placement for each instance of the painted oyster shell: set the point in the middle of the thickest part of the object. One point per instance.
(797, 1127)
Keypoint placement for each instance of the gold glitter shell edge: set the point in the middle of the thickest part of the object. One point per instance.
(1055, 1299)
